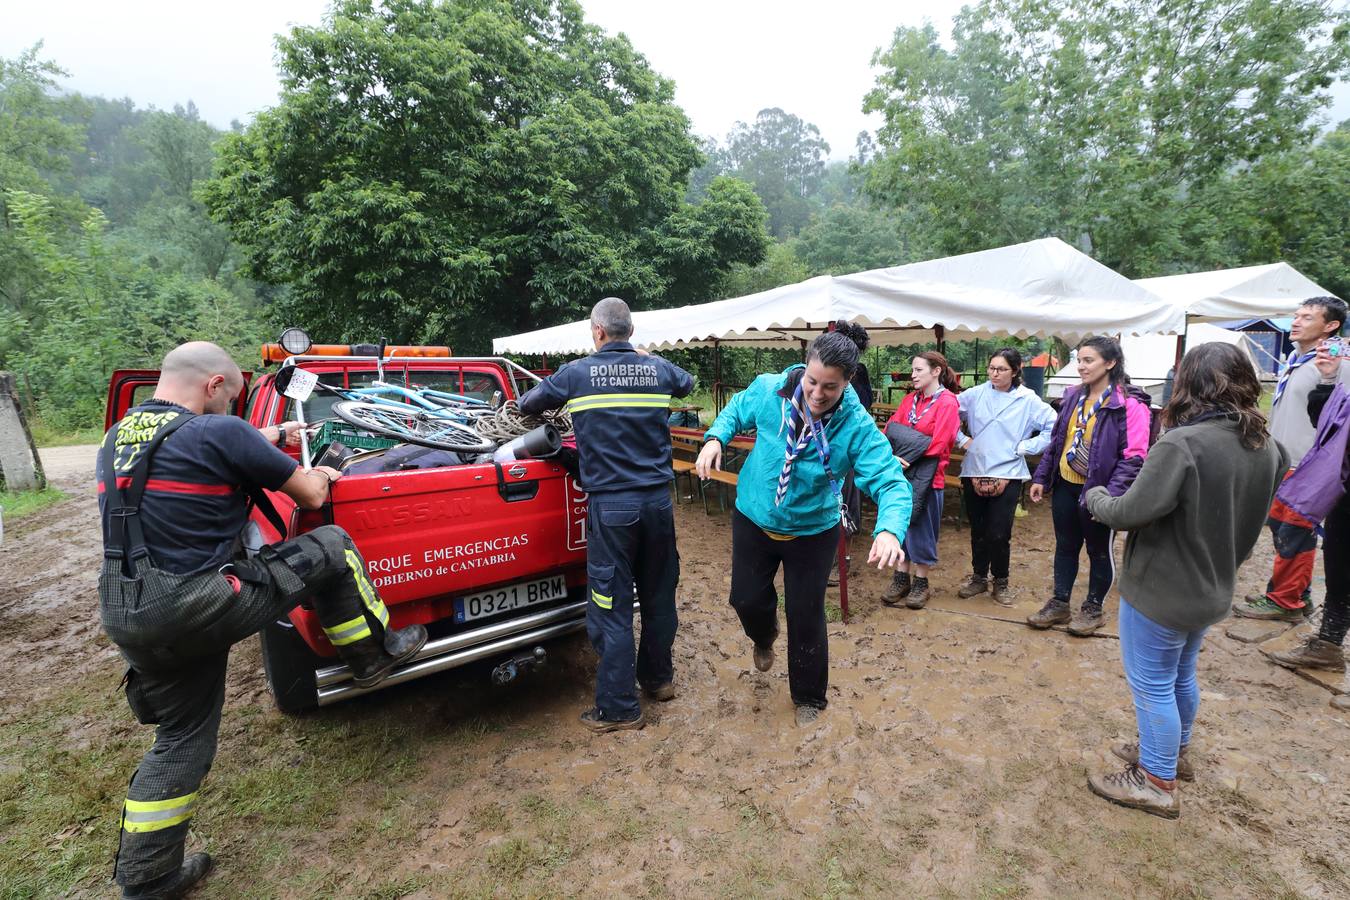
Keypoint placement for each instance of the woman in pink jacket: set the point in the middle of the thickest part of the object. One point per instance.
(932, 410)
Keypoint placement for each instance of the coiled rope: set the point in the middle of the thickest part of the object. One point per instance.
(508, 422)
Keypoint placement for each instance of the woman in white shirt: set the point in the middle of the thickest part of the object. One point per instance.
(1006, 422)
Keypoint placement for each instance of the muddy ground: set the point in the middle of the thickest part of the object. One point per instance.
(951, 761)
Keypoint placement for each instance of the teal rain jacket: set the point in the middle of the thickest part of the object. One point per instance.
(810, 507)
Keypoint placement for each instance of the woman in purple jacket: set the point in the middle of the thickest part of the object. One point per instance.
(1100, 438)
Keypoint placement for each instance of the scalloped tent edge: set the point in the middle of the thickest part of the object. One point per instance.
(1039, 288)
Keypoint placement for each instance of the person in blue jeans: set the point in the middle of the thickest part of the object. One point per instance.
(1194, 513)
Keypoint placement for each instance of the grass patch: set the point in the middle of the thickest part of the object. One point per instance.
(18, 504)
(45, 435)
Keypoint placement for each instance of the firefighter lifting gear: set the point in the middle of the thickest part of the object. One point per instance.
(175, 631)
(619, 401)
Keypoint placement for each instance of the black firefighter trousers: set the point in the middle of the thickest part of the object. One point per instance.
(175, 633)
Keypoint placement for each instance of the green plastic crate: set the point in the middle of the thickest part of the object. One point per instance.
(350, 436)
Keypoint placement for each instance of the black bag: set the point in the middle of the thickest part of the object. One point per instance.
(906, 442)
(405, 457)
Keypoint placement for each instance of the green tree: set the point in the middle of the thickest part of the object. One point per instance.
(1097, 122)
(101, 311)
(784, 158)
(459, 170)
(1292, 206)
(34, 141)
(853, 238)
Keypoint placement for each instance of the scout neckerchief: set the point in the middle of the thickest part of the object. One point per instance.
(914, 412)
(1295, 360)
(1077, 456)
(802, 430)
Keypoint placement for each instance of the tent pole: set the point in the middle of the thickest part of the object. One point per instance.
(940, 334)
(803, 343)
(1181, 348)
(717, 375)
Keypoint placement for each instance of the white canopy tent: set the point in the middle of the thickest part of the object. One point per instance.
(1149, 357)
(1250, 292)
(1041, 287)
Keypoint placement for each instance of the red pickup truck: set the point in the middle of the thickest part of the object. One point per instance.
(492, 559)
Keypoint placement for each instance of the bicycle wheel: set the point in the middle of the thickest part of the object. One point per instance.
(416, 426)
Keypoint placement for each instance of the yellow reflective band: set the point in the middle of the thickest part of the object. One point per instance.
(602, 601)
(152, 815)
(348, 632)
(611, 401)
(372, 600)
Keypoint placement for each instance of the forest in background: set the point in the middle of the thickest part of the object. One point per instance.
(449, 172)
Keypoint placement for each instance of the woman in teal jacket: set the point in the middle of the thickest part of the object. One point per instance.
(811, 431)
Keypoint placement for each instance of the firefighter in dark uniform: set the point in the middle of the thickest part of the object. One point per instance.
(175, 477)
(619, 400)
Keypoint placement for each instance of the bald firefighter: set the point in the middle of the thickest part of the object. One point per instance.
(175, 478)
(619, 399)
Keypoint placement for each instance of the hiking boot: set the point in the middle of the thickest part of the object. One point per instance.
(975, 584)
(807, 715)
(179, 883)
(1135, 788)
(918, 594)
(1262, 607)
(999, 592)
(1130, 753)
(371, 660)
(662, 692)
(897, 590)
(1341, 701)
(1087, 620)
(1055, 612)
(1314, 653)
(595, 720)
(764, 657)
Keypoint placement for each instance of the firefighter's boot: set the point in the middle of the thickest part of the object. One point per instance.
(372, 659)
(175, 885)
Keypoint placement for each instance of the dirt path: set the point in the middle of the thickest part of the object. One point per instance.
(951, 761)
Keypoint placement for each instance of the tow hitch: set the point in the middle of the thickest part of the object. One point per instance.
(508, 669)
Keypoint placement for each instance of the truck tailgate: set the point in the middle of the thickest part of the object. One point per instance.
(438, 532)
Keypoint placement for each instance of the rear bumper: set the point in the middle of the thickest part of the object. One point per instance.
(334, 682)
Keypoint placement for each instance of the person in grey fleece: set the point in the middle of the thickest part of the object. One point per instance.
(1193, 514)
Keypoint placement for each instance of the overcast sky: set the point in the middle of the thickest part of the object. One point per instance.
(729, 58)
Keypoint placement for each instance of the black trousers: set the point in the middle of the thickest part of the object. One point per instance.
(1336, 559)
(755, 558)
(175, 633)
(1074, 528)
(991, 522)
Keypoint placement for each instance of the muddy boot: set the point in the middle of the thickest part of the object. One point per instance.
(1130, 753)
(764, 657)
(897, 590)
(1087, 620)
(1056, 611)
(1341, 701)
(371, 660)
(807, 715)
(833, 580)
(1314, 653)
(1135, 788)
(595, 720)
(176, 884)
(975, 584)
(1262, 607)
(1000, 593)
(918, 595)
(662, 692)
